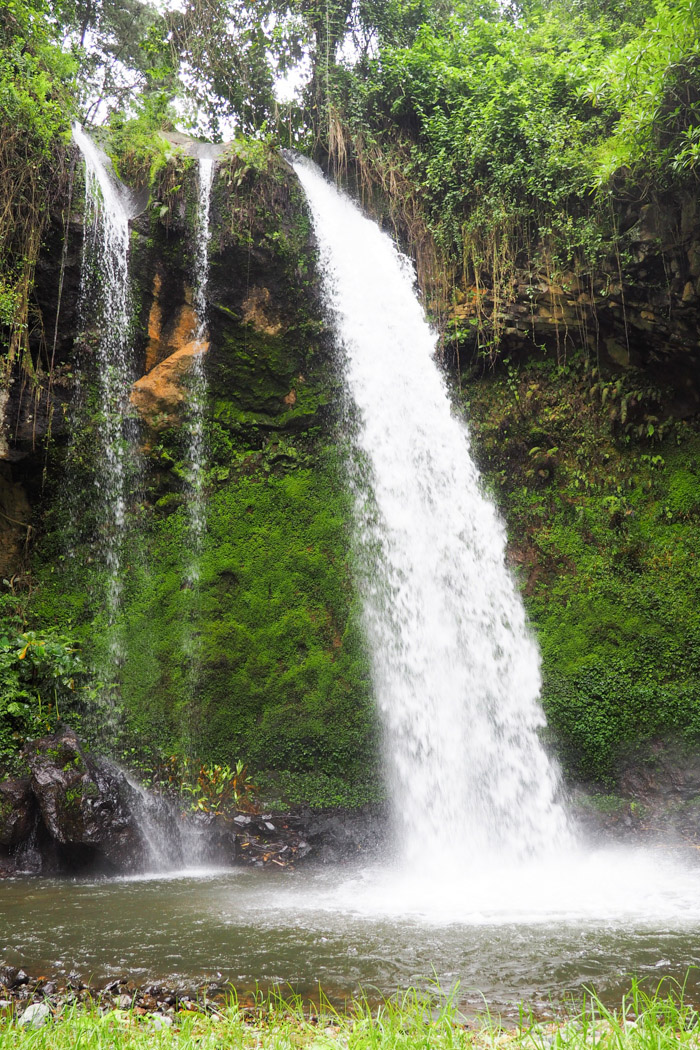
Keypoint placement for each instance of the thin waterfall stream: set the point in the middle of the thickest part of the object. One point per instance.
(198, 387)
(196, 451)
(107, 312)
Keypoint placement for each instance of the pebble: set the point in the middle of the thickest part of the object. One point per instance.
(160, 1021)
(36, 1015)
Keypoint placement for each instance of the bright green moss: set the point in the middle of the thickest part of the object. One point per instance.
(605, 531)
(263, 659)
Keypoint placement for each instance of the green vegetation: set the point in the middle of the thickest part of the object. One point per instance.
(275, 670)
(498, 142)
(42, 678)
(214, 789)
(411, 1021)
(35, 108)
(604, 533)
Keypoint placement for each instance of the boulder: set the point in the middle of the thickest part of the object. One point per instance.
(85, 802)
(161, 394)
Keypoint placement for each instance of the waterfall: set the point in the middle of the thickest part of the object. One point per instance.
(455, 668)
(198, 389)
(196, 456)
(106, 309)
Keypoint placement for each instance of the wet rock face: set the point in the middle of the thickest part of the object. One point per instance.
(78, 814)
(161, 394)
(644, 314)
(85, 804)
(657, 802)
(17, 811)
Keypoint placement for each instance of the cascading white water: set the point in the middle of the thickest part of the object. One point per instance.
(106, 308)
(172, 839)
(198, 389)
(456, 671)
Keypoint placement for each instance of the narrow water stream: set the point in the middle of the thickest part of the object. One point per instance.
(198, 388)
(106, 314)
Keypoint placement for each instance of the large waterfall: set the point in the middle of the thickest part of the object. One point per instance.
(455, 668)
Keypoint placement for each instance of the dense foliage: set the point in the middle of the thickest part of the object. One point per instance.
(42, 679)
(34, 117)
(604, 535)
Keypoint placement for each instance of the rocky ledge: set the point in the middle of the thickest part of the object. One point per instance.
(76, 813)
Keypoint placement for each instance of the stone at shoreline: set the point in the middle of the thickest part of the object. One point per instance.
(159, 1003)
(11, 977)
(36, 1015)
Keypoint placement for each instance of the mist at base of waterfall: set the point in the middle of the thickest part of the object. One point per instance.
(619, 885)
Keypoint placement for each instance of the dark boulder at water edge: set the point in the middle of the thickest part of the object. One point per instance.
(17, 811)
(85, 802)
(77, 813)
(73, 812)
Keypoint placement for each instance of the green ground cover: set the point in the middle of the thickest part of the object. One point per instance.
(411, 1021)
(604, 528)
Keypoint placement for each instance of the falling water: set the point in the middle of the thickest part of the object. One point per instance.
(198, 389)
(455, 669)
(106, 308)
(197, 450)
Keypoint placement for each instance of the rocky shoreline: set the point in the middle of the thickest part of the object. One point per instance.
(38, 999)
(78, 814)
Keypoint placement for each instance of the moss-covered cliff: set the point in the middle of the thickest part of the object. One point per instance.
(263, 658)
(604, 528)
(591, 453)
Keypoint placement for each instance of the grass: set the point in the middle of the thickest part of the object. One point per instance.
(644, 1020)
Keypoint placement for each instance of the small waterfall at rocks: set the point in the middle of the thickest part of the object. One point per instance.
(198, 390)
(107, 316)
(456, 671)
(172, 840)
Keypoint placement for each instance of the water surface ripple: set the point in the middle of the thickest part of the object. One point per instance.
(506, 936)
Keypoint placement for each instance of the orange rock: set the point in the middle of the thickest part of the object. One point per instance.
(160, 395)
(172, 348)
(260, 312)
(168, 333)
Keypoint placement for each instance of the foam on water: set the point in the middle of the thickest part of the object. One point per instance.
(620, 886)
